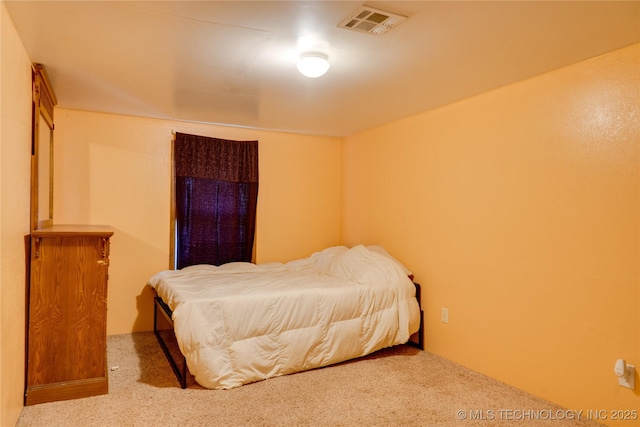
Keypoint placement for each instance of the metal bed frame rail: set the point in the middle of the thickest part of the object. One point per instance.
(419, 336)
(180, 371)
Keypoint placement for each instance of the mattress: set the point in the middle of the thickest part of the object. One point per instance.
(241, 322)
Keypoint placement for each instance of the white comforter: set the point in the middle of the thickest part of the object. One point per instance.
(240, 322)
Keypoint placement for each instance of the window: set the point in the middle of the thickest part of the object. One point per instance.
(216, 193)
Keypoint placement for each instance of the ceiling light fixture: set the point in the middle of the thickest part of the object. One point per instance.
(313, 64)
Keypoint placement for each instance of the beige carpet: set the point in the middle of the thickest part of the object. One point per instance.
(401, 386)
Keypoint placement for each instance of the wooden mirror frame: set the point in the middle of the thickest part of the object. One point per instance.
(42, 128)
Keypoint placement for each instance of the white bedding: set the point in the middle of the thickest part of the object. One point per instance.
(240, 322)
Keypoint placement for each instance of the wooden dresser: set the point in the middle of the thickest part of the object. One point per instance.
(67, 313)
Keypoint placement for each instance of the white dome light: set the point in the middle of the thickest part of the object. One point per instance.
(313, 64)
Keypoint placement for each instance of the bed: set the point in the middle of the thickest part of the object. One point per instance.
(241, 322)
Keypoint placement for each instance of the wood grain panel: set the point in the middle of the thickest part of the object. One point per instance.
(66, 339)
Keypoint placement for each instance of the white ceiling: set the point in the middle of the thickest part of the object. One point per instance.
(233, 62)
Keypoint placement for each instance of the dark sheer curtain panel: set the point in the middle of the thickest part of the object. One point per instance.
(216, 198)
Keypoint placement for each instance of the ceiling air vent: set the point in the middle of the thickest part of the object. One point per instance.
(371, 21)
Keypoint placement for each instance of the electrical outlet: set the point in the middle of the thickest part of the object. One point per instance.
(445, 315)
(628, 380)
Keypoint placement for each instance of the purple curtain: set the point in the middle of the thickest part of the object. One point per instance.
(216, 199)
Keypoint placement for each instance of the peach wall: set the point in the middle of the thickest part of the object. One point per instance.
(518, 211)
(116, 170)
(15, 177)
